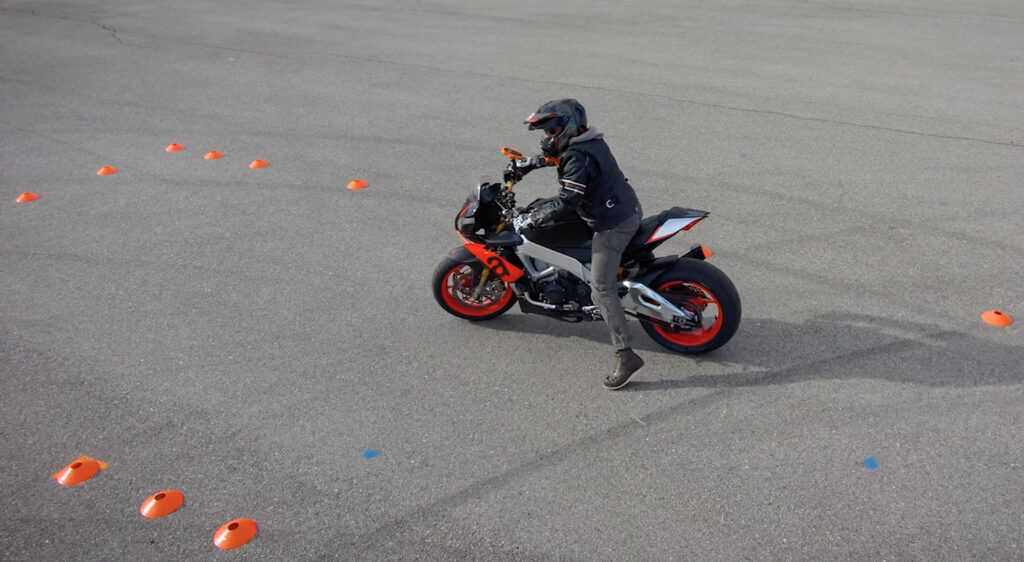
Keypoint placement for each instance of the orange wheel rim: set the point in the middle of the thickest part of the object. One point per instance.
(695, 298)
(457, 289)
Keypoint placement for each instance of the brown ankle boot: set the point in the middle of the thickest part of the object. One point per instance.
(627, 363)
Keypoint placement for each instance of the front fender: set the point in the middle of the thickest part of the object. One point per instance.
(460, 254)
(472, 253)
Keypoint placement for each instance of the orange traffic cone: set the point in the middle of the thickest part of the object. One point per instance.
(162, 503)
(356, 184)
(235, 533)
(106, 171)
(26, 197)
(996, 318)
(174, 147)
(213, 155)
(80, 470)
(257, 163)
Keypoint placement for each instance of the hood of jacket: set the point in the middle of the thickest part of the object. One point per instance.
(589, 135)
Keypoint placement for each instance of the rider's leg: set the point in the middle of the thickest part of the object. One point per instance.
(608, 246)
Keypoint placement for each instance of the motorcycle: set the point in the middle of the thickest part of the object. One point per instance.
(682, 302)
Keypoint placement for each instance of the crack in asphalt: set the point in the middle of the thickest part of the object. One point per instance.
(51, 138)
(770, 112)
(1010, 143)
(953, 16)
(756, 111)
(723, 388)
(113, 32)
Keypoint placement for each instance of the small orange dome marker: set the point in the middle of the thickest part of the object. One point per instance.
(26, 197)
(106, 171)
(257, 163)
(213, 155)
(356, 184)
(80, 470)
(234, 533)
(996, 318)
(174, 147)
(162, 503)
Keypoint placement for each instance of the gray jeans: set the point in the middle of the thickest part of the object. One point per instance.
(608, 246)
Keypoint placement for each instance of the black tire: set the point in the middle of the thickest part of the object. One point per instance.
(451, 282)
(696, 285)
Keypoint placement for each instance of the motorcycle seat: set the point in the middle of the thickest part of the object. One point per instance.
(650, 224)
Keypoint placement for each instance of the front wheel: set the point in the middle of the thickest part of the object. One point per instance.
(455, 289)
(702, 289)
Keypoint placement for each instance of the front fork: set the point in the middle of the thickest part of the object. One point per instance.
(480, 286)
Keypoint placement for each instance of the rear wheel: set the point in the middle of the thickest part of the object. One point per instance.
(455, 284)
(702, 289)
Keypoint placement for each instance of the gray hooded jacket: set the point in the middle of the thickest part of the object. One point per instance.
(592, 186)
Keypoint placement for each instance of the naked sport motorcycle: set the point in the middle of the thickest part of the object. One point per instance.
(682, 302)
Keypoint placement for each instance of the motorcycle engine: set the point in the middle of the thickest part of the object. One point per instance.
(563, 288)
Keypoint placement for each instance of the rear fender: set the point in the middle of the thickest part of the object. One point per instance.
(654, 269)
(697, 252)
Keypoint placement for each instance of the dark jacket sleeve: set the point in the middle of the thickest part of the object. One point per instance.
(573, 173)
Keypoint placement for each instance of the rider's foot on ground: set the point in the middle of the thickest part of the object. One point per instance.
(626, 364)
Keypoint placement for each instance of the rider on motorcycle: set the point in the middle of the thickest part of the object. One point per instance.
(595, 188)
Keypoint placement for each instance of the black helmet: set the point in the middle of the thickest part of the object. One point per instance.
(567, 114)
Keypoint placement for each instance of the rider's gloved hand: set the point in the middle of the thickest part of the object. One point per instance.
(523, 167)
(522, 222)
(549, 211)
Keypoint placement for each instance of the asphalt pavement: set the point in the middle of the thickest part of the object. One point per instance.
(265, 341)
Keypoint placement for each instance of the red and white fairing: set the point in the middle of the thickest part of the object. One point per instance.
(672, 226)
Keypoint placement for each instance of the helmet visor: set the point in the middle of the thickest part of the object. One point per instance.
(545, 121)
